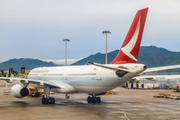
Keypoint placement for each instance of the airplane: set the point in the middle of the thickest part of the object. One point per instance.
(154, 77)
(94, 79)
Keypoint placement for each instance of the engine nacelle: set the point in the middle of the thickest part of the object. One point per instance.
(18, 91)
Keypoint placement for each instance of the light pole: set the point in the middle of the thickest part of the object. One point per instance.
(66, 40)
(106, 31)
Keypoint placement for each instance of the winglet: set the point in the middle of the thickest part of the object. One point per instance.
(130, 48)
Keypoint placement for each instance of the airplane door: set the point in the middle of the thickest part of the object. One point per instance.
(98, 74)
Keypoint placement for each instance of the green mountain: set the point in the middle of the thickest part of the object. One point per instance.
(151, 56)
(97, 58)
(28, 63)
(154, 56)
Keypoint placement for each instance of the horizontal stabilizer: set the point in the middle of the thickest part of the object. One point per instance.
(108, 67)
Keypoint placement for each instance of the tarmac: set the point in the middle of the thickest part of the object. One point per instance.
(129, 104)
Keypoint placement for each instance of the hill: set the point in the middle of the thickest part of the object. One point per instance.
(28, 63)
(151, 56)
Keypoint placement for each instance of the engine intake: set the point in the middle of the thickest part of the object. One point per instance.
(18, 91)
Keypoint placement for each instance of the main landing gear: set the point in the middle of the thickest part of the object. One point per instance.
(46, 99)
(93, 99)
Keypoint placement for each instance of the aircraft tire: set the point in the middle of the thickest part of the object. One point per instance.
(46, 101)
(93, 100)
(98, 99)
(43, 100)
(89, 99)
(53, 101)
(50, 101)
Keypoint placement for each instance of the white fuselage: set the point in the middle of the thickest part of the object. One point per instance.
(85, 79)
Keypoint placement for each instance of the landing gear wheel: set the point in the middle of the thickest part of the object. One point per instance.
(89, 99)
(93, 99)
(48, 101)
(43, 100)
(98, 99)
(53, 101)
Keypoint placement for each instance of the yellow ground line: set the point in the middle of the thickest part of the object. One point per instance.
(121, 112)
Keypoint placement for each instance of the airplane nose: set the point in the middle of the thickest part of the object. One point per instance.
(144, 67)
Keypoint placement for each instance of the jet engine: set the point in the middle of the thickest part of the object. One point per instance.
(18, 91)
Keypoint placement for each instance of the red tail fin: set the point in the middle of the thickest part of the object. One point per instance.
(130, 48)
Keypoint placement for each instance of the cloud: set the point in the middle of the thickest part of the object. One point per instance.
(61, 62)
(35, 29)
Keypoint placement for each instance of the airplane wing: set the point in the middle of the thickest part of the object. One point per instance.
(161, 68)
(156, 77)
(27, 81)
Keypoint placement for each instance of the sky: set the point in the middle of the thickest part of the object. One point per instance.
(36, 28)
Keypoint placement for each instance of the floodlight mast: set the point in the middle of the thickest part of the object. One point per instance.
(105, 32)
(66, 40)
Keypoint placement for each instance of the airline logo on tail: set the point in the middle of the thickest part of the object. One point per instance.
(130, 48)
